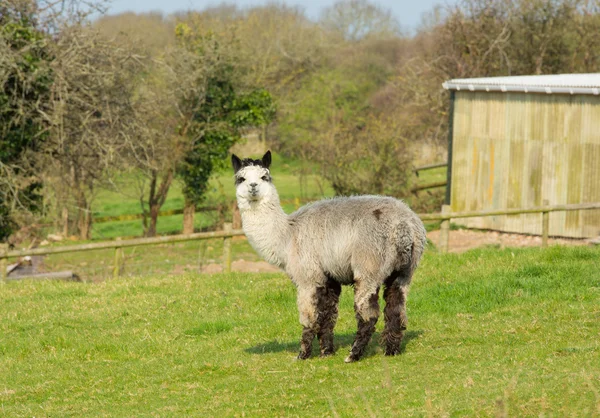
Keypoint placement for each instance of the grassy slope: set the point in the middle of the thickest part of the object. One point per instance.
(433, 175)
(151, 260)
(511, 331)
(290, 185)
(286, 175)
(186, 256)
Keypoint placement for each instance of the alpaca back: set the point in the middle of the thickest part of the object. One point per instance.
(348, 234)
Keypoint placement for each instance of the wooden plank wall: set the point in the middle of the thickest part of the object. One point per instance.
(517, 150)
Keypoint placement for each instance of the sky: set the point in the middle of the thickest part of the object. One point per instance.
(408, 12)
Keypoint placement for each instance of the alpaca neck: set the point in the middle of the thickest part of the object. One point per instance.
(266, 227)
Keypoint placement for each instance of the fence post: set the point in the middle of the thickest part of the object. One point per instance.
(118, 258)
(545, 226)
(3, 263)
(237, 217)
(227, 227)
(65, 221)
(444, 231)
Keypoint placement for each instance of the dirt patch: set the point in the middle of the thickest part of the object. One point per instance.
(463, 240)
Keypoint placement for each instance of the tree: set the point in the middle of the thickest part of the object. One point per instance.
(214, 121)
(190, 104)
(359, 19)
(495, 38)
(90, 117)
(25, 80)
(148, 34)
(336, 96)
(155, 146)
(372, 158)
(64, 106)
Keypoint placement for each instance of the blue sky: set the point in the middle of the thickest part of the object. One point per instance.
(408, 12)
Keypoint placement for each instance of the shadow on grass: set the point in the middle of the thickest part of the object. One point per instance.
(341, 341)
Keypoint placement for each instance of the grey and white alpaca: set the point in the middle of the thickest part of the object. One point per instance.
(364, 241)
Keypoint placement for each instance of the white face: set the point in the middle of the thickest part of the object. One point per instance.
(253, 184)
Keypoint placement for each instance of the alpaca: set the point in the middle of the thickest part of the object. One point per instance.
(364, 241)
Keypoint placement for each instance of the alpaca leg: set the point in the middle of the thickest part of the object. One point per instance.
(307, 307)
(396, 289)
(366, 306)
(328, 298)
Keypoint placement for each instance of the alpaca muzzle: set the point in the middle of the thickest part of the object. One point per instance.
(253, 189)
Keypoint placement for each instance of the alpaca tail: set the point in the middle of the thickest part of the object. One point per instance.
(419, 243)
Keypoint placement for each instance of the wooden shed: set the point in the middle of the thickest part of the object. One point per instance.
(522, 142)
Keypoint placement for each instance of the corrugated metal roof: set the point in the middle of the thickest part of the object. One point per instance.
(550, 84)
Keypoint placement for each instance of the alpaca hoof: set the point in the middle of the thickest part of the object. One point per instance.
(303, 356)
(327, 351)
(350, 359)
(392, 349)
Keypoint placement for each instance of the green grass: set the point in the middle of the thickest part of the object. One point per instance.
(507, 333)
(293, 179)
(166, 225)
(175, 258)
(432, 175)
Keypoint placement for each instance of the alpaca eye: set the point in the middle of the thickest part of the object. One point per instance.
(241, 179)
(264, 178)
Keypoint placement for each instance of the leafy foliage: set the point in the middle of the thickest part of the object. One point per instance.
(25, 81)
(350, 95)
(369, 158)
(220, 115)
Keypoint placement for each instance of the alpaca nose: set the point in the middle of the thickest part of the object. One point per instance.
(253, 185)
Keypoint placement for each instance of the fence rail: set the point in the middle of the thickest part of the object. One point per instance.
(134, 216)
(476, 214)
(427, 186)
(429, 167)
(446, 215)
(228, 233)
(118, 245)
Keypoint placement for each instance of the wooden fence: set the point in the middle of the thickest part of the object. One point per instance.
(228, 233)
(429, 167)
(171, 212)
(427, 186)
(118, 246)
(446, 215)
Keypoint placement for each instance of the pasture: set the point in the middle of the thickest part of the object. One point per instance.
(491, 333)
(295, 179)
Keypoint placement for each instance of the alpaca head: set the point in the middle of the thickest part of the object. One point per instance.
(253, 180)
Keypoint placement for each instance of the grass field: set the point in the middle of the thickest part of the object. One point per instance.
(162, 259)
(293, 178)
(491, 333)
(432, 175)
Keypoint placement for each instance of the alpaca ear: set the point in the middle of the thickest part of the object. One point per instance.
(266, 159)
(236, 163)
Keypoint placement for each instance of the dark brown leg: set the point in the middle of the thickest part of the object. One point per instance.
(394, 313)
(308, 335)
(327, 304)
(366, 306)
